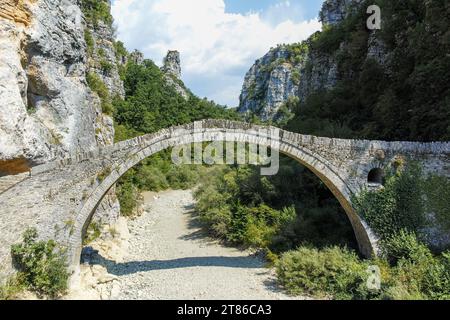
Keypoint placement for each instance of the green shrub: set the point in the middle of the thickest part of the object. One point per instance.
(106, 66)
(151, 178)
(437, 195)
(333, 272)
(182, 177)
(90, 43)
(101, 52)
(404, 245)
(415, 273)
(128, 195)
(120, 50)
(93, 233)
(97, 10)
(97, 85)
(41, 264)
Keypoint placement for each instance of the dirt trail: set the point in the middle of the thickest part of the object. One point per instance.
(169, 257)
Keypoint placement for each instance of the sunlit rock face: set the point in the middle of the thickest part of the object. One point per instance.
(46, 105)
(298, 70)
(334, 11)
(172, 72)
(172, 64)
(269, 83)
(47, 109)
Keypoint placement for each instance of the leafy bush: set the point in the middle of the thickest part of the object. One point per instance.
(404, 245)
(42, 265)
(182, 177)
(437, 195)
(97, 10)
(417, 273)
(97, 85)
(93, 233)
(120, 50)
(128, 195)
(151, 178)
(106, 67)
(411, 271)
(332, 272)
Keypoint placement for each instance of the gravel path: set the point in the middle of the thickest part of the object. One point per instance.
(171, 258)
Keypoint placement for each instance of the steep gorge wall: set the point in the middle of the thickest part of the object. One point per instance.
(46, 106)
(292, 70)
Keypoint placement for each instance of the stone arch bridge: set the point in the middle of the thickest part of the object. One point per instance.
(59, 198)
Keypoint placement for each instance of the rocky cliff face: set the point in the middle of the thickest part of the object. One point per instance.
(47, 108)
(269, 83)
(334, 11)
(293, 71)
(172, 70)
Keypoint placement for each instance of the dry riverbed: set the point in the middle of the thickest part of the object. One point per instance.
(164, 254)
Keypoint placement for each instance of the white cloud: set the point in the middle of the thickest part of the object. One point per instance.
(215, 46)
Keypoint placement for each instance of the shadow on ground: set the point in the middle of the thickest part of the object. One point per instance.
(121, 269)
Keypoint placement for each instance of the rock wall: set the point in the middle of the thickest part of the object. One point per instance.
(103, 61)
(294, 70)
(47, 109)
(172, 72)
(334, 11)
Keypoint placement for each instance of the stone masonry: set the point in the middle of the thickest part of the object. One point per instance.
(60, 198)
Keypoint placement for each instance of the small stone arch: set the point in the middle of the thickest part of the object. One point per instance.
(288, 145)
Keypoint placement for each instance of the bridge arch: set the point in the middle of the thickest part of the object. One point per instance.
(296, 146)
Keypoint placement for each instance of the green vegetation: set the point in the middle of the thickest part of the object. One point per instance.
(329, 273)
(437, 194)
(292, 216)
(399, 205)
(120, 50)
(106, 66)
(13, 288)
(41, 266)
(97, 85)
(392, 100)
(151, 105)
(90, 43)
(97, 10)
(93, 232)
(409, 271)
(276, 213)
(104, 174)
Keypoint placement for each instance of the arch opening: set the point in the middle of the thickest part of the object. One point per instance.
(365, 238)
(376, 176)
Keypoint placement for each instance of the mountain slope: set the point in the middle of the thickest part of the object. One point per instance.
(353, 82)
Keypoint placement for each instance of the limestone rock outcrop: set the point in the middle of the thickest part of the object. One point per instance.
(269, 83)
(172, 64)
(334, 11)
(172, 73)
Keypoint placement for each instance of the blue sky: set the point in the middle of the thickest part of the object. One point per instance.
(218, 40)
(310, 8)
